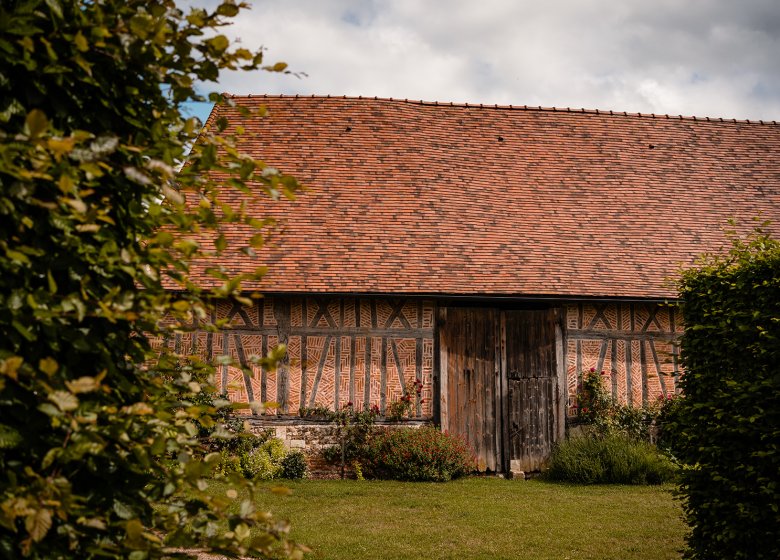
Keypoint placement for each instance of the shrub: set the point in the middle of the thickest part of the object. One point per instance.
(258, 464)
(727, 427)
(355, 430)
(611, 459)
(294, 465)
(598, 410)
(419, 454)
(95, 225)
(404, 406)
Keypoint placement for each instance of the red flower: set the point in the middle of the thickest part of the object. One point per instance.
(603, 373)
(593, 370)
(422, 401)
(349, 403)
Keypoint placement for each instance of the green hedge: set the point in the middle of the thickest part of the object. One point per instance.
(727, 428)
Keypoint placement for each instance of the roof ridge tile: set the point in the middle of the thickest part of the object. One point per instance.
(511, 107)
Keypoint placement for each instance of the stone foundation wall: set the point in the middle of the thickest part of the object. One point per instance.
(312, 437)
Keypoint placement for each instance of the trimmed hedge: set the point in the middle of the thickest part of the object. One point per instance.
(727, 428)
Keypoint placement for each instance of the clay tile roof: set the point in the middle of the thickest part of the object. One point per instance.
(439, 198)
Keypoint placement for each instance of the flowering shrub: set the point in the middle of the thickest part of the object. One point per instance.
(596, 408)
(404, 407)
(419, 454)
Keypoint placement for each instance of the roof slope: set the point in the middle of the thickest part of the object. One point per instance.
(423, 198)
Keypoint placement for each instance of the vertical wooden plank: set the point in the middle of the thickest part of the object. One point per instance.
(225, 352)
(629, 376)
(504, 393)
(352, 359)
(561, 393)
(418, 360)
(499, 420)
(613, 370)
(337, 366)
(643, 366)
(383, 374)
(263, 371)
(304, 362)
(367, 375)
(444, 420)
(282, 315)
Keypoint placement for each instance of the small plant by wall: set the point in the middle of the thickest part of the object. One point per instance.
(602, 415)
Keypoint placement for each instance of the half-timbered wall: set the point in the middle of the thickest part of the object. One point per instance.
(633, 343)
(339, 350)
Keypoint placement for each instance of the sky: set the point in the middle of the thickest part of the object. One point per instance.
(708, 58)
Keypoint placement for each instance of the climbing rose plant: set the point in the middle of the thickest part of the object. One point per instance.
(99, 455)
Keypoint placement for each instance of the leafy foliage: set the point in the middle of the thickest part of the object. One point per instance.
(100, 454)
(419, 454)
(355, 430)
(404, 406)
(609, 459)
(727, 428)
(604, 416)
(294, 465)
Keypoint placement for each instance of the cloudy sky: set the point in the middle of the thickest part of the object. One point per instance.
(717, 58)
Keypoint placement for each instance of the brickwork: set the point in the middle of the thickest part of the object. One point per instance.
(634, 343)
(339, 350)
(312, 438)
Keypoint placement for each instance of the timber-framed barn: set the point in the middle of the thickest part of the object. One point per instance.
(493, 253)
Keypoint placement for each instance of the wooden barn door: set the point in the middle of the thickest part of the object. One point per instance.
(500, 384)
(535, 398)
(470, 380)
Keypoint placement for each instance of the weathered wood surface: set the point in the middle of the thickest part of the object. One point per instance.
(533, 387)
(500, 383)
(468, 340)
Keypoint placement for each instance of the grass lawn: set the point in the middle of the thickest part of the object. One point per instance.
(479, 518)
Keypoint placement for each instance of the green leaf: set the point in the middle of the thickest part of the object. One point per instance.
(38, 524)
(36, 123)
(65, 401)
(82, 385)
(49, 366)
(81, 42)
(218, 44)
(55, 7)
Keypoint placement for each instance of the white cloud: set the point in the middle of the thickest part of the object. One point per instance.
(698, 57)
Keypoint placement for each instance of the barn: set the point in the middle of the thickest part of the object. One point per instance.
(492, 253)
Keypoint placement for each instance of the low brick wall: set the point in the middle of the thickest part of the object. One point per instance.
(312, 437)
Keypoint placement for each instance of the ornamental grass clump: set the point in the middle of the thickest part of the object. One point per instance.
(419, 454)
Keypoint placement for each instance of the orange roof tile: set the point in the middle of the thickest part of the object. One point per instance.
(439, 198)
